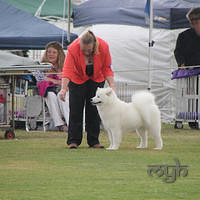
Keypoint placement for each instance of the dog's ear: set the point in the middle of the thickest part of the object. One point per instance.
(108, 91)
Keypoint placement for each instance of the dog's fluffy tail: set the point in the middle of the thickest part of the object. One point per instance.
(144, 102)
(143, 97)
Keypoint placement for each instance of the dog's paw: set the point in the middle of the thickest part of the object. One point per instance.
(141, 147)
(111, 148)
(157, 148)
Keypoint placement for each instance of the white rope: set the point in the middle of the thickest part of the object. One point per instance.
(37, 13)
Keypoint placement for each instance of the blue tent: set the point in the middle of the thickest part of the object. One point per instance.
(168, 14)
(20, 30)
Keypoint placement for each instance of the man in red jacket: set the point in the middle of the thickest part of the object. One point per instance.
(86, 67)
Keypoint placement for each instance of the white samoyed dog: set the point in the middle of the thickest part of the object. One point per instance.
(142, 115)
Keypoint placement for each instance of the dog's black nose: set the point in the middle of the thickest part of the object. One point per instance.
(91, 101)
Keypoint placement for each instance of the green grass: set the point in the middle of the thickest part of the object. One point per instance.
(38, 166)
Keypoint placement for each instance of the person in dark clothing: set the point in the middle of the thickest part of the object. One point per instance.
(87, 66)
(187, 50)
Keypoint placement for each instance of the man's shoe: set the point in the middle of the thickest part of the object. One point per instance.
(97, 146)
(63, 128)
(73, 146)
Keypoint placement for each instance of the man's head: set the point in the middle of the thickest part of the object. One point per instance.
(88, 43)
(194, 18)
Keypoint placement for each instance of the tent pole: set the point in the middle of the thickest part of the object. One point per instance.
(64, 9)
(69, 21)
(151, 42)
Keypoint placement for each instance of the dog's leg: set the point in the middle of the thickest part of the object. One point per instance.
(143, 138)
(155, 133)
(158, 141)
(115, 138)
(110, 139)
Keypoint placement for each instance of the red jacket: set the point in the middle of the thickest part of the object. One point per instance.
(74, 65)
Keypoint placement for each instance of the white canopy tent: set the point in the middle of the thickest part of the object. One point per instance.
(122, 25)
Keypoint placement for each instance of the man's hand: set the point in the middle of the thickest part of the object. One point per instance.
(182, 66)
(64, 88)
(110, 81)
(62, 94)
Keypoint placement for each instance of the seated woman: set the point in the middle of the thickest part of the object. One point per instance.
(51, 83)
